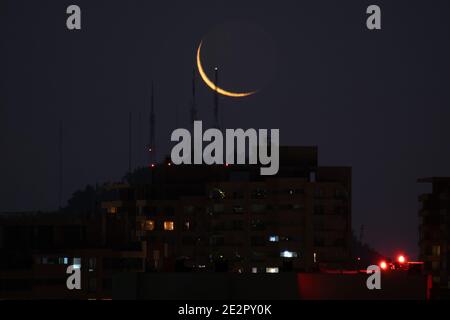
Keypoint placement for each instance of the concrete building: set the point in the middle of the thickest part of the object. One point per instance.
(36, 248)
(167, 218)
(229, 218)
(434, 231)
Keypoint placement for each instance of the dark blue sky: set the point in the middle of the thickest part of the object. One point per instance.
(376, 101)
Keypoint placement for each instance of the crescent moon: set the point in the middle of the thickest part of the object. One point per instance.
(212, 85)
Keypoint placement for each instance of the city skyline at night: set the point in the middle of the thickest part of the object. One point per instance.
(107, 97)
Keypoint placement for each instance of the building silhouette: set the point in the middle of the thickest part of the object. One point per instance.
(434, 231)
(229, 218)
(196, 218)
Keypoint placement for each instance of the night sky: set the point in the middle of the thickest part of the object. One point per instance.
(374, 100)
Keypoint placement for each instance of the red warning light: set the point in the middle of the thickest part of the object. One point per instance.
(401, 259)
(383, 265)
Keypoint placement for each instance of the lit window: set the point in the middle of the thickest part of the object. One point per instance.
(436, 251)
(254, 270)
(274, 238)
(288, 254)
(92, 264)
(76, 263)
(272, 270)
(149, 225)
(168, 225)
(217, 194)
(112, 210)
(187, 225)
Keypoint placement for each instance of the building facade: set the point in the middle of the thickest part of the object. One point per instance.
(434, 230)
(229, 218)
(187, 218)
(36, 249)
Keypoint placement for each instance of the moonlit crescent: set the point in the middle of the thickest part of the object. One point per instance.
(212, 85)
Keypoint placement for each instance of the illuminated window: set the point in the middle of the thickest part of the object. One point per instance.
(76, 263)
(288, 254)
(149, 225)
(274, 238)
(216, 194)
(187, 225)
(92, 264)
(168, 225)
(272, 270)
(112, 210)
(254, 270)
(436, 251)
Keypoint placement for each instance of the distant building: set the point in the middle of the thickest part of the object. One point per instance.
(229, 218)
(36, 248)
(197, 218)
(434, 233)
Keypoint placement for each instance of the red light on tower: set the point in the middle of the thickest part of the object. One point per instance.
(401, 259)
(383, 265)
